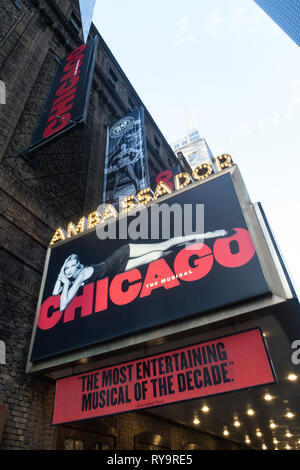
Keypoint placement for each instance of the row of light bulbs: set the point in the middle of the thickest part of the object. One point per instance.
(260, 435)
(292, 377)
(205, 409)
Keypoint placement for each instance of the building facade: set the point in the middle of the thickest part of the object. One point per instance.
(285, 13)
(63, 181)
(46, 190)
(192, 146)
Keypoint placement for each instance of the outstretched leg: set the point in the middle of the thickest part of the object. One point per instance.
(145, 259)
(116, 184)
(136, 250)
(131, 173)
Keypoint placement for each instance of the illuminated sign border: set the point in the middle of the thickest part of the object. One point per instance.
(142, 199)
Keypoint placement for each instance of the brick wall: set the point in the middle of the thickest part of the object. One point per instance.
(65, 184)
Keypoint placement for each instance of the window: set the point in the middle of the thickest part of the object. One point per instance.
(85, 437)
(193, 155)
(74, 20)
(150, 441)
(101, 446)
(193, 134)
(176, 146)
(157, 143)
(184, 142)
(112, 78)
(73, 444)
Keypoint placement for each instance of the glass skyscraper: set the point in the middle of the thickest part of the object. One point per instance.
(286, 13)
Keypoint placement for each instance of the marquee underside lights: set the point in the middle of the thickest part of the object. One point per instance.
(141, 199)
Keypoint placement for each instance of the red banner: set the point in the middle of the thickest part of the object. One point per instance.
(217, 366)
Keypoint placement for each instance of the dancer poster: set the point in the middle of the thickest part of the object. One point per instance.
(126, 164)
(98, 289)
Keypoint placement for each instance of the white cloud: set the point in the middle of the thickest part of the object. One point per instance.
(272, 119)
(215, 24)
(183, 30)
(237, 19)
(296, 92)
(239, 132)
(241, 18)
(294, 105)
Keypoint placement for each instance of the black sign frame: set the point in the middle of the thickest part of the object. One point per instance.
(81, 96)
(256, 287)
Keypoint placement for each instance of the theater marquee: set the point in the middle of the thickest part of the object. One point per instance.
(213, 367)
(96, 290)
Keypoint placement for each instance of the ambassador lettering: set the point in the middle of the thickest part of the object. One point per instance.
(143, 198)
(190, 265)
(60, 114)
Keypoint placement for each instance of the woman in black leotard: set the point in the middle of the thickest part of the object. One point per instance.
(73, 274)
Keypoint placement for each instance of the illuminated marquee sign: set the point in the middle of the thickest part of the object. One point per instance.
(142, 198)
(213, 367)
(95, 290)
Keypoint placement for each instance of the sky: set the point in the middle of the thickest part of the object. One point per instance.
(239, 75)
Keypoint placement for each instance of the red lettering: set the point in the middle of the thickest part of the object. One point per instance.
(201, 264)
(56, 125)
(117, 294)
(67, 86)
(75, 63)
(64, 106)
(51, 305)
(158, 271)
(65, 94)
(101, 295)
(191, 264)
(165, 176)
(223, 249)
(62, 98)
(76, 52)
(84, 301)
(70, 74)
